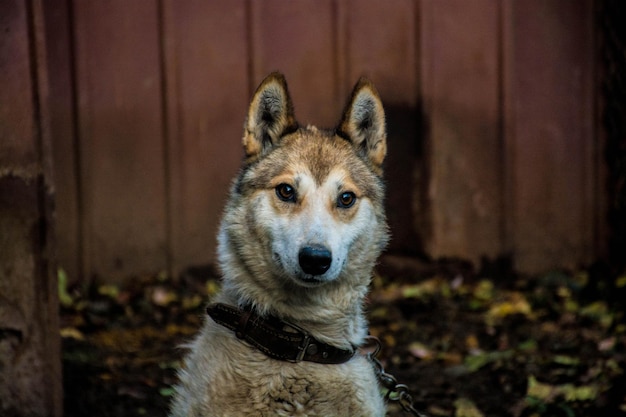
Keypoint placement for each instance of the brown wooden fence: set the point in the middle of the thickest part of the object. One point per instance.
(30, 345)
(493, 142)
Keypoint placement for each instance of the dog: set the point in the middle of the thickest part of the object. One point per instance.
(300, 235)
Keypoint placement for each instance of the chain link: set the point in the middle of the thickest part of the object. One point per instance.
(395, 392)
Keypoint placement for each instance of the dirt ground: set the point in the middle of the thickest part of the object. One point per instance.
(468, 342)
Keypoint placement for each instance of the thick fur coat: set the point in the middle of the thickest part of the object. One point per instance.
(300, 191)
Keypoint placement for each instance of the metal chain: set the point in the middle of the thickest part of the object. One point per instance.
(395, 392)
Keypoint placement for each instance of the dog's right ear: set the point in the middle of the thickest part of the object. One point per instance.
(270, 116)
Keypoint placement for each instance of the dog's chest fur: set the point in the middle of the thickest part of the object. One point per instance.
(240, 381)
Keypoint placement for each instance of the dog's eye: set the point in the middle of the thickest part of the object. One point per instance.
(286, 192)
(346, 200)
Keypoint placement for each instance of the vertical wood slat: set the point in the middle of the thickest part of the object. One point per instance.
(17, 147)
(121, 138)
(30, 380)
(549, 128)
(460, 69)
(205, 45)
(388, 58)
(297, 38)
(64, 151)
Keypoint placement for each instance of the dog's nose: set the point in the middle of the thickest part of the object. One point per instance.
(314, 260)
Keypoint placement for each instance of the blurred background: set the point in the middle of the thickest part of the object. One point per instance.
(121, 125)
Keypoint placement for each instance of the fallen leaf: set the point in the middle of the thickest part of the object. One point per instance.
(450, 358)
(529, 345)
(466, 408)
(424, 288)
(598, 311)
(570, 392)
(581, 393)
(474, 362)
(484, 291)
(212, 287)
(565, 360)
(65, 298)
(420, 350)
(515, 304)
(108, 290)
(471, 342)
(72, 333)
(193, 302)
(167, 392)
(540, 390)
(389, 340)
(435, 410)
(163, 297)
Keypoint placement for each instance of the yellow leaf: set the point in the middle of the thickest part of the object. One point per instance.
(190, 303)
(428, 287)
(598, 311)
(110, 291)
(540, 390)
(484, 290)
(571, 392)
(212, 287)
(466, 408)
(65, 298)
(471, 341)
(72, 333)
(516, 304)
(583, 393)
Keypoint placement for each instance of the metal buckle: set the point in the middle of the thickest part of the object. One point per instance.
(303, 347)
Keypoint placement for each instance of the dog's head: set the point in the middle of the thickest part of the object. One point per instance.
(307, 207)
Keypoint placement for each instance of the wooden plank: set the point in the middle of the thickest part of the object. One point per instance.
(459, 72)
(388, 56)
(385, 53)
(298, 38)
(207, 95)
(64, 146)
(17, 131)
(121, 137)
(549, 131)
(30, 381)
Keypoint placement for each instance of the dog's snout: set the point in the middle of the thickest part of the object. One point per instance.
(314, 260)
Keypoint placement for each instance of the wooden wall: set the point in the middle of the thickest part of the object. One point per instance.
(30, 344)
(490, 107)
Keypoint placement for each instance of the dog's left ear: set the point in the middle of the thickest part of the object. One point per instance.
(363, 124)
(270, 116)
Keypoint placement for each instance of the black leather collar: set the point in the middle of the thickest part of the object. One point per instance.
(276, 338)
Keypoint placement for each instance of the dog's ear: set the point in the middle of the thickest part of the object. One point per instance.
(270, 116)
(363, 123)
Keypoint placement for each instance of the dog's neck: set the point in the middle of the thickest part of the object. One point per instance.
(339, 321)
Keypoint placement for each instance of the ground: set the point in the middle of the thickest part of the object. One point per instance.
(468, 342)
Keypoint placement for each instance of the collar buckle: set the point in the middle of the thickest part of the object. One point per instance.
(304, 345)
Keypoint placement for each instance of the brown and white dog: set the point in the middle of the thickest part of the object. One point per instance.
(301, 232)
